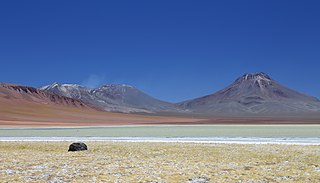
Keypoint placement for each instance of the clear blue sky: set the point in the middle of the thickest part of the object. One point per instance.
(172, 50)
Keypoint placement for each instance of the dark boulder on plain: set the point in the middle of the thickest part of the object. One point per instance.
(78, 146)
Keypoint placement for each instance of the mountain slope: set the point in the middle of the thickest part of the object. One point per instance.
(27, 103)
(254, 94)
(116, 98)
(27, 106)
(19, 93)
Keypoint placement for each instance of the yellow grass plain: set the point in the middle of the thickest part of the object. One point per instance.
(158, 162)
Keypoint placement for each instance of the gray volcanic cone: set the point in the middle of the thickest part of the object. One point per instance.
(254, 94)
(112, 97)
(129, 97)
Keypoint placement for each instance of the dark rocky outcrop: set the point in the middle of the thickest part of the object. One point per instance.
(78, 146)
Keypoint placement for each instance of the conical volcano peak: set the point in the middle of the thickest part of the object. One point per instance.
(256, 76)
(254, 94)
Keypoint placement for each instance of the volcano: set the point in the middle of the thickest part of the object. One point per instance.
(254, 94)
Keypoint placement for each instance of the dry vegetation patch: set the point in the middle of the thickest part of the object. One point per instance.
(158, 162)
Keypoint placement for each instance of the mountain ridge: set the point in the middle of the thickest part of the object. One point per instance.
(252, 94)
(30, 94)
(112, 97)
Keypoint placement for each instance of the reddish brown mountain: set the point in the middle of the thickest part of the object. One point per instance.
(19, 93)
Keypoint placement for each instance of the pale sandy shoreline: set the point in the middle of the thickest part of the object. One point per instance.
(227, 134)
(295, 134)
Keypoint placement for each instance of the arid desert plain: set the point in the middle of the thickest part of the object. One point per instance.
(158, 162)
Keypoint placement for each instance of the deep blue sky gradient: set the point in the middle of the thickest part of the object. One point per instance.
(172, 50)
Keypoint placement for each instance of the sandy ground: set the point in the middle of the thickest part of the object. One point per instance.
(21, 113)
(115, 119)
(158, 162)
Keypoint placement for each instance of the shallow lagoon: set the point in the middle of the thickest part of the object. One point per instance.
(261, 131)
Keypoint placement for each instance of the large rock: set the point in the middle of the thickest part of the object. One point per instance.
(78, 146)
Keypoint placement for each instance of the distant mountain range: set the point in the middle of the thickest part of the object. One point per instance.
(253, 94)
(27, 106)
(112, 97)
